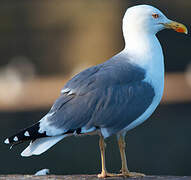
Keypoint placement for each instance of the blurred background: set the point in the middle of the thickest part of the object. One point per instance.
(44, 43)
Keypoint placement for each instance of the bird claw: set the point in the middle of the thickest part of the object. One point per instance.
(132, 174)
(105, 174)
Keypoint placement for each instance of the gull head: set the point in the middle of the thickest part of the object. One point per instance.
(142, 19)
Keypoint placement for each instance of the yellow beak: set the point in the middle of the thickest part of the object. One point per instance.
(178, 27)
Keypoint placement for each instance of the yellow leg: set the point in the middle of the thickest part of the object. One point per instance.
(122, 145)
(104, 172)
(124, 169)
(102, 146)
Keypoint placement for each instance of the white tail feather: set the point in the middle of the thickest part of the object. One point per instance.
(41, 145)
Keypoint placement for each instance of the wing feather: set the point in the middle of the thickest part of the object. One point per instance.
(110, 95)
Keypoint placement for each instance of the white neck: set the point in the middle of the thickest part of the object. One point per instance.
(143, 47)
(145, 50)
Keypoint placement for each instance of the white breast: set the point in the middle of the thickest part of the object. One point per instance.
(148, 54)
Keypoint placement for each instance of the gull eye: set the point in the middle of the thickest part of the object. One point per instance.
(155, 15)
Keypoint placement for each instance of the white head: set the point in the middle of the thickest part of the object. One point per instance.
(147, 19)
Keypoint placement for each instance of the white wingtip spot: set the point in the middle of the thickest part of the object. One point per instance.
(26, 133)
(6, 141)
(15, 138)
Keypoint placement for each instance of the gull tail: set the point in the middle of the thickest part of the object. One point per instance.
(40, 142)
(41, 145)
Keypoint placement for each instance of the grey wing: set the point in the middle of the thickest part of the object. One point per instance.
(121, 105)
(78, 84)
(104, 96)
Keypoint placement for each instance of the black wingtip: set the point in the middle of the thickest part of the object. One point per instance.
(30, 133)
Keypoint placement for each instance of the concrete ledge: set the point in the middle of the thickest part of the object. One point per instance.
(88, 177)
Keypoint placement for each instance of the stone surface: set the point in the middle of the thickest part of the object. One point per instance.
(88, 177)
